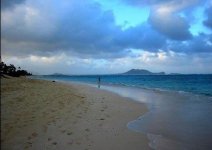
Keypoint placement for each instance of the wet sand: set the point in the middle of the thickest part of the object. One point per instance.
(175, 120)
(44, 115)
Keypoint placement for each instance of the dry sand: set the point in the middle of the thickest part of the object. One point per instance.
(49, 115)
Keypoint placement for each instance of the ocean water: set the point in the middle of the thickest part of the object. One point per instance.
(197, 84)
(179, 106)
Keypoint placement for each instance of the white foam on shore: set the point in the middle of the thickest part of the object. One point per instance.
(158, 142)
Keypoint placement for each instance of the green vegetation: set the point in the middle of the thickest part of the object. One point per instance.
(12, 71)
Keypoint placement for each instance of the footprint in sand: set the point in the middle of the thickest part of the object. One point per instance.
(30, 143)
(88, 130)
(34, 134)
(79, 116)
(69, 133)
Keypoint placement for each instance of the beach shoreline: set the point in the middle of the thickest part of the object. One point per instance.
(165, 110)
(38, 114)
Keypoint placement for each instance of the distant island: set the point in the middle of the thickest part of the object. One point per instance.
(130, 72)
(142, 72)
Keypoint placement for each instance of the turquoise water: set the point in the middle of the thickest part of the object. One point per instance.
(198, 84)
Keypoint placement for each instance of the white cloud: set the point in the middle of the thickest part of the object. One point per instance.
(168, 61)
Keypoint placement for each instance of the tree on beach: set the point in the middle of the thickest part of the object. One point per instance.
(11, 70)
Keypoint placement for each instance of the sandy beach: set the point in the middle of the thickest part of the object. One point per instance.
(43, 115)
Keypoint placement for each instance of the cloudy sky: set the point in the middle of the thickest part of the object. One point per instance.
(107, 36)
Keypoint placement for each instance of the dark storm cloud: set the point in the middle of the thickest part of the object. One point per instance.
(77, 26)
(199, 44)
(172, 26)
(10, 3)
(141, 37)
(208, 21)
(81, 28)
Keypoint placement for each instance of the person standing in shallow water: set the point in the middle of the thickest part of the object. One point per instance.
(99, 80)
